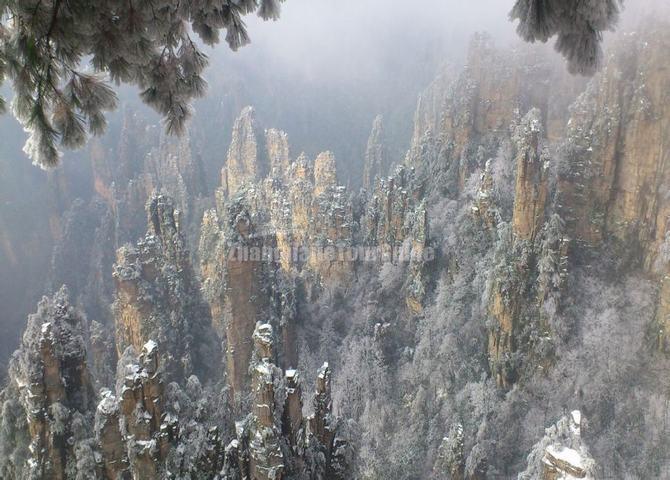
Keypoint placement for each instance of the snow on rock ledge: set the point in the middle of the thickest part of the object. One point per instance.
(561, 454)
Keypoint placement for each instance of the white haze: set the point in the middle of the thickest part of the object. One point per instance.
(354, 40)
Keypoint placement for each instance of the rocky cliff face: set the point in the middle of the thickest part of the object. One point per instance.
(532, 178)
(561, 453)
(511, 283)
(55, 426)
(243, 295)
(277, 147)
(535, 269)
(616, 140)
(610, 190)
(116, 182)
(614, 186)
(395, 220)
(461, 122)
(243, 164)
(541, 213)
(269, 237)
(477, 104)
(133, 434)
(49, 397)
(119, 178)
(275, 442)
(427, 116)
(375, 154)
(176, 170)
(158, 296)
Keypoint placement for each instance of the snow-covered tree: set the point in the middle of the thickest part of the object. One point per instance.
(45, 46)
(578, 25)
(561, 451)
(551, 271)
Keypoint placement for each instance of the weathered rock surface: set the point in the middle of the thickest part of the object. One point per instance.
(394, 200)
(375, 163)
(243, 164)
(532, 176)
(120, 180)
(614, 187)
(484, 206)
(50, 395)
(111, 440)
(150, 429)
(268, 236)
(276, 144)
(561, 454)
(175, 169)
(131, 428)
(54, 429)
(427, 116)
(158, 297)
(616, 139)
(510, 281)
(481, 103)
(238, 282)
(274, 441)
(395, 222)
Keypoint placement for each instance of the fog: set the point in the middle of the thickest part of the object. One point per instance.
(513, 270)
(325, 69)
(322, 72)
(355, 40)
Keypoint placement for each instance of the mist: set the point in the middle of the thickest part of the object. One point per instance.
(323, 62)
(353, 41)
(322, 72)
(466, 276)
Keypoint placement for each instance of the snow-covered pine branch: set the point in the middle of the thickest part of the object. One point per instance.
(577, 24)
(44, 45)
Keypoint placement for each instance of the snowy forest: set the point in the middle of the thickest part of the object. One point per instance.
(316, 240)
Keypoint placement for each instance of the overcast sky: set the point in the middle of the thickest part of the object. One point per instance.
(363, 37)
(359, 36)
